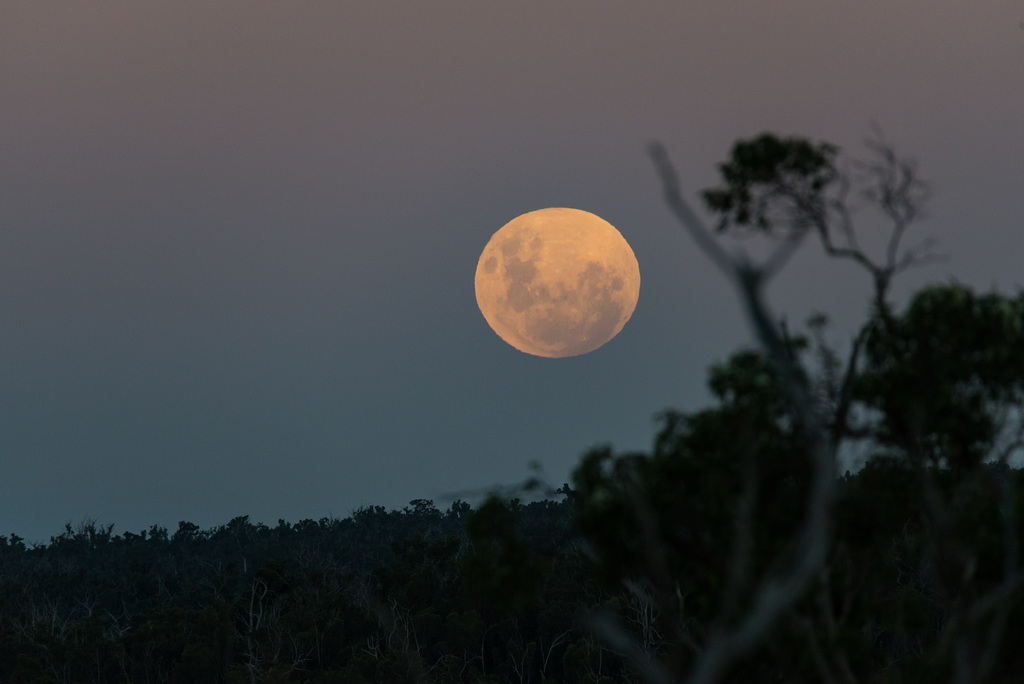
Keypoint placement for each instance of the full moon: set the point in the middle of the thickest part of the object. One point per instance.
(557, 282)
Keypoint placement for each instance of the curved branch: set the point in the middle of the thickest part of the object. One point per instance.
(776, 593)
(683, 212)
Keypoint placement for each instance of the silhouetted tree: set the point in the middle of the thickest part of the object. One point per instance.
(750, 553)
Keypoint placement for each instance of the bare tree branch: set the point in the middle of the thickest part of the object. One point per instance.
(683, 212)
(775, 593)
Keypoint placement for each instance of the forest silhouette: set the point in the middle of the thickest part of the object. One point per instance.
(731, 551)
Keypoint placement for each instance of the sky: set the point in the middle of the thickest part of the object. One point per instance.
(238, 240)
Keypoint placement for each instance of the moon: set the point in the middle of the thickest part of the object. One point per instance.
(557, 282)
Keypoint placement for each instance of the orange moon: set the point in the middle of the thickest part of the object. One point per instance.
(557, 282)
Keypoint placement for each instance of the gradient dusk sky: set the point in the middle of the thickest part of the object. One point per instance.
(238, 240)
